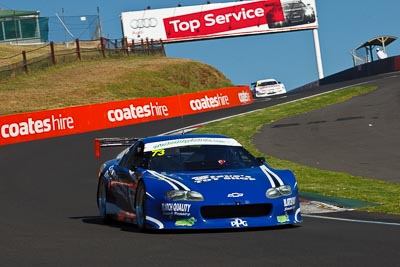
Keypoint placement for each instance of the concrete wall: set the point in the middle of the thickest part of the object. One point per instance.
(390, 64)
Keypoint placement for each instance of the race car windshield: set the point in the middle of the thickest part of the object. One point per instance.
(267, 83)
(200, 157)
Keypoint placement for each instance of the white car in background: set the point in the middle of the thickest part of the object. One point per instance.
(268, 87)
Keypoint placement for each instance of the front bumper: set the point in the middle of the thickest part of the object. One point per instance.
(269, 93)
(281, 212)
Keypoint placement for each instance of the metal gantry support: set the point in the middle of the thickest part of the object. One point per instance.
(318, 54)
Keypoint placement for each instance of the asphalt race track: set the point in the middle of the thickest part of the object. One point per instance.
(359, 136)
(49, 213)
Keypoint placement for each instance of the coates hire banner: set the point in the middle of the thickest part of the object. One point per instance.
(219, 20)
(51, 123)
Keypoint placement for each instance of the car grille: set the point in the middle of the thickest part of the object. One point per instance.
(234, 211)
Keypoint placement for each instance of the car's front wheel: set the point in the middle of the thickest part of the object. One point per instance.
(140, 206)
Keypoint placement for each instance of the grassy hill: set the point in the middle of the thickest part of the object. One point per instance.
(104, 80)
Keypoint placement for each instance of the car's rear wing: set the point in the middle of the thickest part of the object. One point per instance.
(111, 142)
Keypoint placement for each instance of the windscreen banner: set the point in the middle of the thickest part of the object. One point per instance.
(219, 20)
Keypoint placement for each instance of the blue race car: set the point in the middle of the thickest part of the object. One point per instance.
(193, 181)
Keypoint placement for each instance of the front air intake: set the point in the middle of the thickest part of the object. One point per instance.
(235, 211)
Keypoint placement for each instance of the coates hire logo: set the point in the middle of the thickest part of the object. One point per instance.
(224, 19)
(133, 112)
(38, 126)
(207, 102)
(244, 97)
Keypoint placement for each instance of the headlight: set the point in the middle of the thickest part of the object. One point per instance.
(182, 195)
(281, 191)
(101, 169)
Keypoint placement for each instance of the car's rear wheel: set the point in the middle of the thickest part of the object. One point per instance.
(140, 206)
(102, 200)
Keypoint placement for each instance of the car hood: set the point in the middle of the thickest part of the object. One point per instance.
(226, 183)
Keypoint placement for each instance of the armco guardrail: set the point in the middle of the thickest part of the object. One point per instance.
(59, 122)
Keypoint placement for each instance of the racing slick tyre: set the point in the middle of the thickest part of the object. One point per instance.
(102, 200)
(140, 206)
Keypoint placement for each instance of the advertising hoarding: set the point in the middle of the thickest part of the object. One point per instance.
(219, 20)
(17, 128)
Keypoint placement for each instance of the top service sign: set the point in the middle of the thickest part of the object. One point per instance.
(219, 20)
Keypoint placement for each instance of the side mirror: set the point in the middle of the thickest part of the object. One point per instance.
(261, 159)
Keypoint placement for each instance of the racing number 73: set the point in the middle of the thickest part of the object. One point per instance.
(158, 153)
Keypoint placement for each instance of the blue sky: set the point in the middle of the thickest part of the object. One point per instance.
(288, 57)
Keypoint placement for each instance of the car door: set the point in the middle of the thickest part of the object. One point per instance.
(127, 175)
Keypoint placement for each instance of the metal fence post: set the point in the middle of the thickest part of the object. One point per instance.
(152, 46)
(53, 54)
(142, 46)
(78, 49)
(162, 47)
(125, 45)
(102, 41)
(24, 61)
(132, 50)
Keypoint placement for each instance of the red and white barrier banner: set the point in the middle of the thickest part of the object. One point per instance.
(51, 123)
(219, 20)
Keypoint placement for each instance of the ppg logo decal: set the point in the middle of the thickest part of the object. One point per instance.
(143, 23)
(239, 223)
